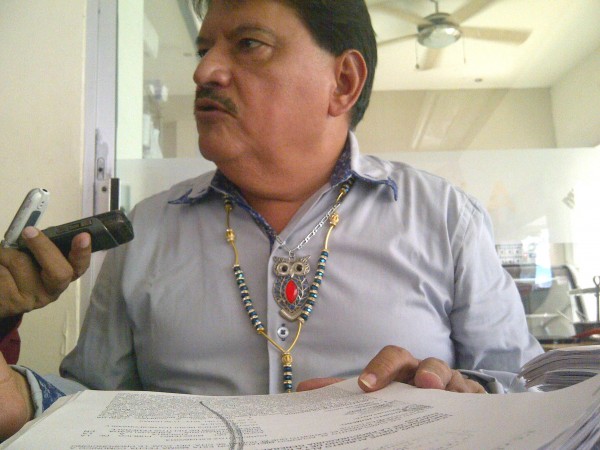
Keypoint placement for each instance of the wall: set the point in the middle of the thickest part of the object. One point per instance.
(457, 120)
(565, 115)
(575, 105)
(41, 136)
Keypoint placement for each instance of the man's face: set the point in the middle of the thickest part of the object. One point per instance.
(263, 84)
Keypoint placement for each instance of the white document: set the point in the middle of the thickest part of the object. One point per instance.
(562, 367)
(340, 416)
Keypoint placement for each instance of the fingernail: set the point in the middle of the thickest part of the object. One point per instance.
(84, 241)
(30, 232)
(369, 380)
(434, 375)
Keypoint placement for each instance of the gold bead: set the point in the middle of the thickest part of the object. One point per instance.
(230, 235)
(335, 218)
(286, 359)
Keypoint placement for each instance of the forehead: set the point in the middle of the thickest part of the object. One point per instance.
(205, 4)
(276, 20)
(269, 12)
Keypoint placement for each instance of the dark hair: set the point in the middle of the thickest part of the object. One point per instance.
(336, 26)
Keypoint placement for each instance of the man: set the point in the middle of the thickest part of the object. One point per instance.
(344, 265)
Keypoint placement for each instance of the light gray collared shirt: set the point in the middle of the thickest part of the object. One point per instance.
(412, 263)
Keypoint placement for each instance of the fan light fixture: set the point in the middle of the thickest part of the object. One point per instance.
(439, 33)
(439, 30)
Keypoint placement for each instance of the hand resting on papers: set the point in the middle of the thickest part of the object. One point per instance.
(394, 363)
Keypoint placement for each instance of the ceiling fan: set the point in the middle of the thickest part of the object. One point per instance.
(440, 29)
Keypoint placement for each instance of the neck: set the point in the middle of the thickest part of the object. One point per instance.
(278, 212)
(277, 192)
(278, 197)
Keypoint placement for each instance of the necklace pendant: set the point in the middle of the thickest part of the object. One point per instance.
(290, 288)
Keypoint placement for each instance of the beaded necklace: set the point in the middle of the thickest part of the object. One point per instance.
(306, 309)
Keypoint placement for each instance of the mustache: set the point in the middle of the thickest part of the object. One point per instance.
(211, 94)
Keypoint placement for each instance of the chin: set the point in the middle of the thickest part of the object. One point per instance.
(216, 150)
(212, 143)
(208, 152)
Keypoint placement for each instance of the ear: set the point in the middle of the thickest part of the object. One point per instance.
(351, 74)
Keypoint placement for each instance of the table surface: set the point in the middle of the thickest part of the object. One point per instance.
(552, 346)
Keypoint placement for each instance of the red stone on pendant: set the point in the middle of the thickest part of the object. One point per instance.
(291, 291)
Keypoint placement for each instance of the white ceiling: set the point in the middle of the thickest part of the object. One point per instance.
(563, 33)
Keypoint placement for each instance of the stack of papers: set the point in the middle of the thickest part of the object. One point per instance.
(338, 416)
(561, 367)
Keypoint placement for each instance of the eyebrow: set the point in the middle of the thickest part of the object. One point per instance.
(240, 30)
(200, 41)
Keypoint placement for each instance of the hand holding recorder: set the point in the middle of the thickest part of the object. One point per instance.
(38, 266)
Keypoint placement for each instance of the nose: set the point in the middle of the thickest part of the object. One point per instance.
(213, 69)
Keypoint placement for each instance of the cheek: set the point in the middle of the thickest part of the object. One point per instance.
(219, 140)
(290, 100)
(309, 89)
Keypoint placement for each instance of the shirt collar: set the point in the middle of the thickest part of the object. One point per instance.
(350, 163)
(370, 169)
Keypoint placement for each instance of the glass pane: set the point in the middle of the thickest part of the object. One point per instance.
(156, 133)
(170, 32)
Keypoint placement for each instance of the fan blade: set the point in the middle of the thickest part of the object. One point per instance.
(403, 14)
(396, 40)
(430, 60)
(469, 10)
(507, 35)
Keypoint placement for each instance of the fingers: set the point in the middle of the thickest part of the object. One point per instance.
(80, 254)
(391, 364)
(316, 383)
(460, 383)
(17, 269)
(27, 283)
(56, 271)
(397, 364)
(433, 373)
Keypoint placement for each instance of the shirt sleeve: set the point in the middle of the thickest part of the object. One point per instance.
(104, 357)
(43, 393)
(488, 320)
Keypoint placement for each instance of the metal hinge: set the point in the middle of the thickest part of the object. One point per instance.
(106, 187)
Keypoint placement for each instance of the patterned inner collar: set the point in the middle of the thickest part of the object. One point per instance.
(220, 185)
(341, 172)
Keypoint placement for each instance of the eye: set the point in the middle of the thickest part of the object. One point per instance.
(249, 44)
(201, 53)
(299, 268)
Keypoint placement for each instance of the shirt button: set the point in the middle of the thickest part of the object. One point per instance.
(283, 332)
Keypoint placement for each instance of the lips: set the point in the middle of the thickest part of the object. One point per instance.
(205, 105)
(209, 102)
